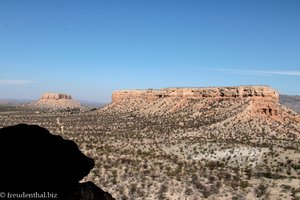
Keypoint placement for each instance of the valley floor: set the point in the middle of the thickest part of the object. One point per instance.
(140, 157)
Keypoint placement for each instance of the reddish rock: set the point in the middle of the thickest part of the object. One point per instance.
(55, 101)
(198, 93)
(55, 96)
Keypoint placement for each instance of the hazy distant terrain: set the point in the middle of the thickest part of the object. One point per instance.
(92, 104)
(12, 104)
(17, 102)
(14, 101)
(291, 101)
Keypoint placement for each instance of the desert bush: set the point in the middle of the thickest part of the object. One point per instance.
(261, 190)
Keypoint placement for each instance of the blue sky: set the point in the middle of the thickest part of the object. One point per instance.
(91, 48)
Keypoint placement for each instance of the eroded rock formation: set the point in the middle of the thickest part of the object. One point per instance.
(55, 96)
(252, 101)
(33, 160)
(198, 93)
(56, 101)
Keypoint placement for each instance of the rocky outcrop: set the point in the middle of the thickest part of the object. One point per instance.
(56, 101)
(55, 96)
(198, 93)
(90, 191)
(255, 101)
(35, 161)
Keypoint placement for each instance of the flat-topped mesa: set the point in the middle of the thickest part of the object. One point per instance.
(198, 93)
(56, 101)
(55, 96)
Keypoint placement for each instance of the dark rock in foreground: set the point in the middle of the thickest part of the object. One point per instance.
(90, 191)
(33, 160)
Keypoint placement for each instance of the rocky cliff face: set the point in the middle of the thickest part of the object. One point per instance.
(55, 101)
(253, 101)
(198, 93)
(55, 96)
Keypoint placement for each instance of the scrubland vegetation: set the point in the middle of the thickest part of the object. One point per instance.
(214, 153)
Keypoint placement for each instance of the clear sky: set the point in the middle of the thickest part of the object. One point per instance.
(90, 48)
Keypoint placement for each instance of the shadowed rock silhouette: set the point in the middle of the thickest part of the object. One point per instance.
(33, 160)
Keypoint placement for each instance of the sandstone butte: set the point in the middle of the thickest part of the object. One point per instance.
(55, 101)
(55, 96)
(198, 93)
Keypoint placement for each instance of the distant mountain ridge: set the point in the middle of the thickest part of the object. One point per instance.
(14, 101)
(291, 101)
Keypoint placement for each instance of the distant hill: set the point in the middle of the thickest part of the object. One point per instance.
(291, 101)
(92, 104)
(56, 101)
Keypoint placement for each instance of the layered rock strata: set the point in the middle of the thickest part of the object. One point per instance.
(253, 101)
(55, 96)
(198, 93)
